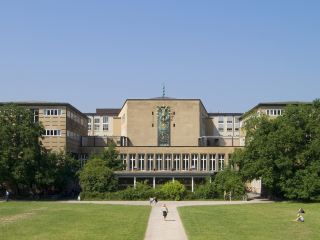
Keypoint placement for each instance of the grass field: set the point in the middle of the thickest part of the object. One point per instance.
(50, 220)
(256, 221)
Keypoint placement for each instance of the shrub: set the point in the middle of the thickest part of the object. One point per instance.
(95, 177)
(229, 181)
(173, 190)
(205, 191)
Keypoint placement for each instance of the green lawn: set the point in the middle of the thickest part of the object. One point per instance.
(256, 221)
(50, 220)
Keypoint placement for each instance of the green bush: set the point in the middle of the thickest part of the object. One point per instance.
(95, 177)
(173, 191)
(229, 181)
(205, 191)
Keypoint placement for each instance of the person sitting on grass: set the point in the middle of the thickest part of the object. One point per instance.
(299, 218)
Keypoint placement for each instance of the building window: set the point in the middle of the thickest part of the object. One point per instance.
(194, 161)
(176, 161)
(229, 119)
(236, 120)
(150, 162)
(221, 161)
(97, 120)
(89, 120)
(236, 129)
(203, 164)
(212, 163)
(159, 162)
(132, 162)
(229, 129)
(89, 127)
(52, 112)
(105, 126)
(141, 162)
(123, 158)
(185, 162)
(35, 113)
(52, 132)
(96, 127)
(167, 162)
(220, 120)
(105, 119)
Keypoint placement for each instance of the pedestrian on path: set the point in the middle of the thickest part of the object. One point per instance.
(164, 211)
(7, 195)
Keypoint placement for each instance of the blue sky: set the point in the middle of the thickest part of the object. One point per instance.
(94, 54)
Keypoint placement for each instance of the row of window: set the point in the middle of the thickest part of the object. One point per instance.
(105, 127)
(105, 119)
(96, 125)
(229, 119)
(52, 132)
(73, 135)
(75, 117)
(275, 112)
(52, 112)
(174, 162)
(221, 129)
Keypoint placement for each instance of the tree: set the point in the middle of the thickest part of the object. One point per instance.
(96, 177)
(20, 147)
(229, 181)
(111, 158)
(284, 152)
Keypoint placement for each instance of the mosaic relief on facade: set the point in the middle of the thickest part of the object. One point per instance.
(163, 119)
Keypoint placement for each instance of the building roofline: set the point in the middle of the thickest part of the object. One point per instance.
(224, 114)
(163, 99)
(35, 103)
(267, 104)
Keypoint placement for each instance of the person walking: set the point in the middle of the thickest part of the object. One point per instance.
(164, 211)
(7, 195)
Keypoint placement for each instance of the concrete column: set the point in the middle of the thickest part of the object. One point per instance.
(192, 184)
(134, 182)
(154, 182)
(189, 162)
(180, 162)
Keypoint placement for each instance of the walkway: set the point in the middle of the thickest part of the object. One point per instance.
(172, 228)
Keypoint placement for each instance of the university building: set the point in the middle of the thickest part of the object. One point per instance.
(159, 139)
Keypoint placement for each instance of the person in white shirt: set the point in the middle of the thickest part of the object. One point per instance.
(164, 211)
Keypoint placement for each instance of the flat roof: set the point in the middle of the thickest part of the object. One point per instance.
(271, 104)
(105, 111)
(224, 114)
(164, 99)
(43, 103)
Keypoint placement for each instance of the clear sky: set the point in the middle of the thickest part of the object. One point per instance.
(95, 54)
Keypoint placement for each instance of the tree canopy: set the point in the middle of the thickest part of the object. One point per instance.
(284, 152)
(25, 165)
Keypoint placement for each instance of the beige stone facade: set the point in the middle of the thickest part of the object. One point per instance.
(195, 142)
